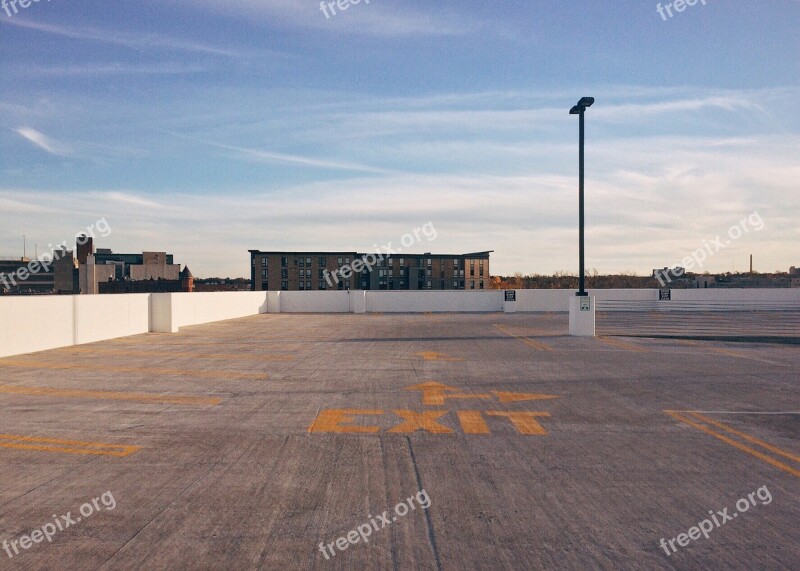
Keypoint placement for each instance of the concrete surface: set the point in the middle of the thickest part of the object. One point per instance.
(244, 444)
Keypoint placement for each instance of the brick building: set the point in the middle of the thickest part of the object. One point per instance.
(302, 271)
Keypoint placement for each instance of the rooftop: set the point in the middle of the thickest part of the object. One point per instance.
(246, 443)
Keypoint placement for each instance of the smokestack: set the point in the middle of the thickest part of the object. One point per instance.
(751, 263)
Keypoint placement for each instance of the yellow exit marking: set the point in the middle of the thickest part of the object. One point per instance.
(434, 356)
(109, 395)
(66, 446)
(472, 421)
(435, 394)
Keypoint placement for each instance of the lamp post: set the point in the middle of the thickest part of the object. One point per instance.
(579, 109)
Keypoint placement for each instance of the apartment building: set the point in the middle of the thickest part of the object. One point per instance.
(303, 271)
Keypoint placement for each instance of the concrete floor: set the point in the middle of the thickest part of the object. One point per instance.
(246, 443)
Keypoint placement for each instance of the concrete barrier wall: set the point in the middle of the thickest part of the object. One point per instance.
(38, 323)
(315, 302)
(532, 300)
(171, 311)
(433, 301)
(99, 317)
(29, 324)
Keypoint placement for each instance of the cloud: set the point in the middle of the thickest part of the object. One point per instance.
(382, 19)
(138, 42)
(42, 141)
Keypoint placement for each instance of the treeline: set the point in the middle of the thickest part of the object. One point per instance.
(593, 280)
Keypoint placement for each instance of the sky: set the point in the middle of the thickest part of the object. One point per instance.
(208, 128)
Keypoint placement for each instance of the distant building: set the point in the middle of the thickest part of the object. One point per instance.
(298, 271)
(25, 276)
(793, 271)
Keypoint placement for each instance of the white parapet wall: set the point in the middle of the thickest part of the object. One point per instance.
(434, 301)
(171, 311)
(40, 322)
(315, 301)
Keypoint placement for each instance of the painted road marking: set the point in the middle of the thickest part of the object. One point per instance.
(426, 420)
(719, 350)
(752, 439)
(331, 421)
(622, 344)
(736, 444)
(524, 421)
(180, 372)
(471, 421)
(435, 394)
(227, 356)
(109, 395)
(65, 446)
(530, 342)
(434, 356)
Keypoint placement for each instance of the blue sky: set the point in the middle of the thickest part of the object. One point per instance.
(207, 128)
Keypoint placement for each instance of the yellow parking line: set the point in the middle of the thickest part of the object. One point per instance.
(238, 356)
(97, 367)
(622, 344)
(530, 342)
(768, 459)
(753, 439)
(65, 446)
(109, 395)
(720, 350)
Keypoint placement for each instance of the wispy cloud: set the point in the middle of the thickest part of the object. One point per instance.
(112, 69)
(42, 141)
(138, 42)
(375, 19)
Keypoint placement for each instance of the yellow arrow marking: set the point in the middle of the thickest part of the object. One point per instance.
(434, 393)
(518, 397)
(434, 356)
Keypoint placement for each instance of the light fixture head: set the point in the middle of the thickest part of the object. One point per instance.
(586, 102)
(574, 111)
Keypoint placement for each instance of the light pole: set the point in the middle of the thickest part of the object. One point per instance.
(579, 110)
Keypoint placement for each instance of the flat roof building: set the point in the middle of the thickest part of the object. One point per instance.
(303, 271)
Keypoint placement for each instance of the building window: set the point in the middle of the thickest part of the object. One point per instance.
(472, 284)
(347, 261)
(481, 284)
(321, 274)
(323, 261)
(339, 260)
(264, 261)
(428, 262)
(302, 286)
(284, 285)
(455, 284)
(308, 273)
(264, 274)
(308, 285)
(308, 262)
(321, 285)
(429, 284)
(481, 269)
(284, 262)
(284, 273)
(402, 262)
(302, 263)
